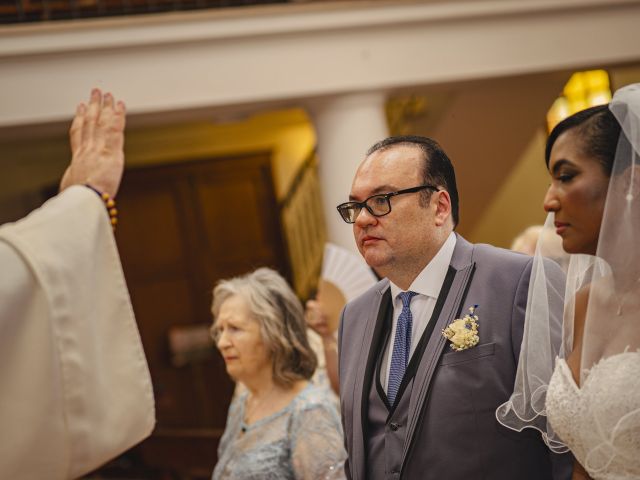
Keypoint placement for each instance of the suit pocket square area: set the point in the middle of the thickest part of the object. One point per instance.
(479, 351)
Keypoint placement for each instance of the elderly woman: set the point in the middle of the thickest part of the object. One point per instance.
(281, 427)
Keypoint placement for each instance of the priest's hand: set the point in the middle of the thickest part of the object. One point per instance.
(97, 144)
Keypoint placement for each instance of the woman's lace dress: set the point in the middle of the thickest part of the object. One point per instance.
(600, 422)
(301, 441)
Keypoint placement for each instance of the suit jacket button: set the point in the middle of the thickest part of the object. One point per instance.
(394, 426)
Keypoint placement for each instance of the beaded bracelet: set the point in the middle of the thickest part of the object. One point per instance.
(109, 203)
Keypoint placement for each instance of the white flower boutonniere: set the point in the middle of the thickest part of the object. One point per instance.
(463, 332)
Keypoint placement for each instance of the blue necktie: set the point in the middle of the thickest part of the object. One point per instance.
(401, 347)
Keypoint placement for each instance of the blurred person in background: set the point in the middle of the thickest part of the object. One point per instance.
(344, 276)
(282, 426)
(551, 244)
(525, 242)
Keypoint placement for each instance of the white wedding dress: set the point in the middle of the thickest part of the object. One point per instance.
(600, 422)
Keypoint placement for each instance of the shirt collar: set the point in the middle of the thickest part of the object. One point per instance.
(429, 280)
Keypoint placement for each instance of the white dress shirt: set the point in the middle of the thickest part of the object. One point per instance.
(427, 285)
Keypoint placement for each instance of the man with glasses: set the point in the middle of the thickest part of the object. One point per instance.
(415, 404)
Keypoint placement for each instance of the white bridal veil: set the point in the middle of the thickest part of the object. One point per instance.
(607, 288)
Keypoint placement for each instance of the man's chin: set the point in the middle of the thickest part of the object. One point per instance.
(374, 259)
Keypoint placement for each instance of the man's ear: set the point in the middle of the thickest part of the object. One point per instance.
(443, 207)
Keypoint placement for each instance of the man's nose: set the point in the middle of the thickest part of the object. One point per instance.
(365, 218)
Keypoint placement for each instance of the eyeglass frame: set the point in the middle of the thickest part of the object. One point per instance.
(386, 196)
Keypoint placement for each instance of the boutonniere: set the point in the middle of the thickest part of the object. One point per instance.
(463, 332)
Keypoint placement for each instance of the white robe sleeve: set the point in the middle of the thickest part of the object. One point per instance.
(75, 388)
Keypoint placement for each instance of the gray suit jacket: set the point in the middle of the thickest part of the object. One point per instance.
(451, 430)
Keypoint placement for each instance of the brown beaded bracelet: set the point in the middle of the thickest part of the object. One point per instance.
(109, 203)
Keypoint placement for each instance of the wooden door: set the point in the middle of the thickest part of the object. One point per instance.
(182, 228)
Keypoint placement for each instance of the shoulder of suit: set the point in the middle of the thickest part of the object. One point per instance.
(485, 252)
(369, 295)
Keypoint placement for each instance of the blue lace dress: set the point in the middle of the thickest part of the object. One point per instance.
(301, 441)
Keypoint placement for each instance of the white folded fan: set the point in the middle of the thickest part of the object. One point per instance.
(347, 271)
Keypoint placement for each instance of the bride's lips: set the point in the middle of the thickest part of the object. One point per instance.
(560, 227)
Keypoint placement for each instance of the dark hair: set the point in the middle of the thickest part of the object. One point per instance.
(438, 169)
(598, 131)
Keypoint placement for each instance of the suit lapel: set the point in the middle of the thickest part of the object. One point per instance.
(461, 262)
(366, 367)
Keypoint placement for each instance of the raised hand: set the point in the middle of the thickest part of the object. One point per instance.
(97, 144)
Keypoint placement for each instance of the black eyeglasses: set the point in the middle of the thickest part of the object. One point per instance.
(377, 205)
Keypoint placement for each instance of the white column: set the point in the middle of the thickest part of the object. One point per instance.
(346, 126)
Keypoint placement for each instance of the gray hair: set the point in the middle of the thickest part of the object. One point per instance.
(280, 315)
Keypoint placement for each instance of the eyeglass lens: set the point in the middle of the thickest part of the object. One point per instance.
(377, 205)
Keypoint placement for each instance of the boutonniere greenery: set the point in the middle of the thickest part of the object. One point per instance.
(463, 332)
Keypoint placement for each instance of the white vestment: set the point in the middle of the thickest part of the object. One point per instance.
(75, 389)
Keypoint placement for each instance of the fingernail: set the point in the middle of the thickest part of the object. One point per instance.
(95, 92)
(81, 108)
(107, 96)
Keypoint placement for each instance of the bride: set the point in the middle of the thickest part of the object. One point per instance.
(584, 394)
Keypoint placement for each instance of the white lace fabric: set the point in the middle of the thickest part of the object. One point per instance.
(302, 441)
(600, 420)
